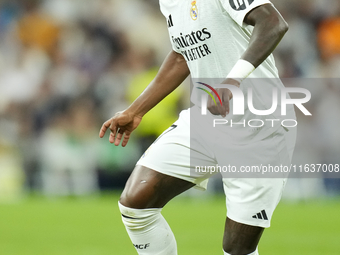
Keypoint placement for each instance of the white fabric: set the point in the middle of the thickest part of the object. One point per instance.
(241, 70)
(148, 231)
(213, 42)
(180, 150)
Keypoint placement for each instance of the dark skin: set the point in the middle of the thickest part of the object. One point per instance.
(147, 188)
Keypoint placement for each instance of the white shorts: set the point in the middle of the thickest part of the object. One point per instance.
(252, 201)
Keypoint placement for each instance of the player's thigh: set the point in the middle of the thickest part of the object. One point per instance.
(147, 188)
(167, 168)
(240, 238)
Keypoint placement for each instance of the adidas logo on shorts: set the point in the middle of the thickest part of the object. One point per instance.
(261, 215)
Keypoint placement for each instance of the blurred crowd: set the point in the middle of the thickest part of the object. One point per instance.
(68, 65)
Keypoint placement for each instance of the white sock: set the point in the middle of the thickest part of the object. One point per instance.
(253, 253)
(148, 231)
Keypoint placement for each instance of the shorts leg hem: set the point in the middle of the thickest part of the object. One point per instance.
(250, 222)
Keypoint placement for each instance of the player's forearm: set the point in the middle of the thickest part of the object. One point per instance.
(269, 29)
(172, 73)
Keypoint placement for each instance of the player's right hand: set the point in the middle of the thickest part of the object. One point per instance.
(121, 126)
(225, 95)
(219, 109)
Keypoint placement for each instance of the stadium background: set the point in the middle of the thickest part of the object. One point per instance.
(68, 65)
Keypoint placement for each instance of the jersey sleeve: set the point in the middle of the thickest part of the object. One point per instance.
(169, 22)
(238, 9)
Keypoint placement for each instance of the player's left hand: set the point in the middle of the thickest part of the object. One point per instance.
(225, 95)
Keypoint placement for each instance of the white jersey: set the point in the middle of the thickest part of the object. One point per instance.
(211, 36)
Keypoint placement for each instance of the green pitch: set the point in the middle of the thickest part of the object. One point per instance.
(93, 227)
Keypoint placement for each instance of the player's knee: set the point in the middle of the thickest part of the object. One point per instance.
(128, 200)
(132, 196)
(139, 191)
(135, 197)
(132, 201)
